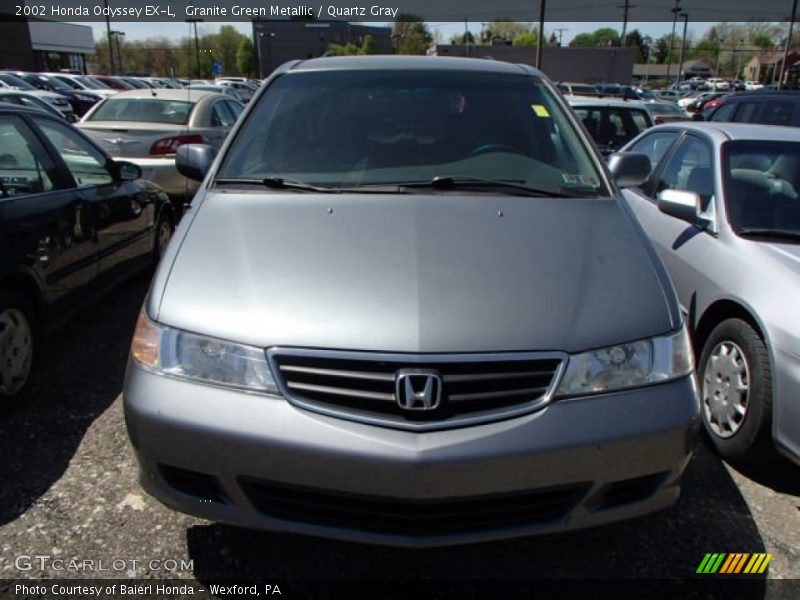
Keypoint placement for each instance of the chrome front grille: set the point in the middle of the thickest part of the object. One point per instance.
(363, 386)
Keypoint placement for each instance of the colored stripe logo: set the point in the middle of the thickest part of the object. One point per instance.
(734, 563)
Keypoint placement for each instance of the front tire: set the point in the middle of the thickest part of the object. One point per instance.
(736, 387)
(17, 347)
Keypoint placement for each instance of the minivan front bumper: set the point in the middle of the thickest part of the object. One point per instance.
(260, 462)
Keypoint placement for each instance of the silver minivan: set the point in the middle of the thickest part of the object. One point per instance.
(408, 307)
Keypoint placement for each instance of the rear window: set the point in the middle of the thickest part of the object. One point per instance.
(335, 128)
(612, 127)
(145, 110)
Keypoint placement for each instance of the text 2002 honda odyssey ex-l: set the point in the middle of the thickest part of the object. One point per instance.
(408, 307)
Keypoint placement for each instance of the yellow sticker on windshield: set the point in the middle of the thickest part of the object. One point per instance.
(540, 110)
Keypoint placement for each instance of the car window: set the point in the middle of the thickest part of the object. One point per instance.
(777, 113)
(762, 185)
(689, 169)
(655, 145)
(612, 127)
(24, 165)
(221, 115)
(145, 110)
(236, 108)
(86, 163)
(747, 112)
(342, 128)
(724, 112)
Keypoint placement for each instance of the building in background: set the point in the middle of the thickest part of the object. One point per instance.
(30, 45)
(579, 65)
(280, 41)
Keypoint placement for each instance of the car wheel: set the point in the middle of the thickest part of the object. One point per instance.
(164, 230)
(736, 387)
(17, 347)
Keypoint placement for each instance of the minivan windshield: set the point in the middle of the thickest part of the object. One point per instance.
(762, 184)
(367, 128)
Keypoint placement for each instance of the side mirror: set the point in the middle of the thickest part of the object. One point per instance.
(629, 169)
(127, 171)
(194, 160)
(683, 205)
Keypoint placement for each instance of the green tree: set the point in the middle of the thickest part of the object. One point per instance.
(504, 29)
(460, 39)
(246, 57)
(224, 45)
(368, 45)
(411, 35)
(351, 49)
(529, 38)
(582, 40)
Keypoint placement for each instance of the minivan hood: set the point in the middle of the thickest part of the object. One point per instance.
(413, 273)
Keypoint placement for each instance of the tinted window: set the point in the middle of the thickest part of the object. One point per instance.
(747, 112)
(724, 112)
(22, 170)
(762, 180)
(689, 169)
(15, 82)
(221, 116)
(655, 145)
(146, 110)
(361, 127)
(777, 113)
(236, 108)
(612, 127)
(86, 163)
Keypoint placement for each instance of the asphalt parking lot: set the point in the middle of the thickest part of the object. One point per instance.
(69, 490)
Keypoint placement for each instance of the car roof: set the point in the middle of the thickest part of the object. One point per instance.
(584, 101)
(415, 63)
(18, 108)
(165, 94)
(722, 131)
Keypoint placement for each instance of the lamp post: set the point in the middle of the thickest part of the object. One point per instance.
(719, 51)
(685, 18)
(196, 44)
(784, 70)
(117, 35)
(108, 36)
(738, 58)
(675, 12)
(540, 41)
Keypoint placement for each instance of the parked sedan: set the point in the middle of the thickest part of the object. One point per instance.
(664, 112)
(21, 98)
(82, 82)
(611, 123)
(80, 100)
(147, 127)
(723, 210)
(9, 81)
(72, 222)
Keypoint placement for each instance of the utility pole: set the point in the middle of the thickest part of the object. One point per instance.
(108, 36)
(117, 35)
(560, 31)
(196, 44)
(466, 37)
(540, 41)
(784, 71)
(685, 18)
(675, 12)
(625, 10)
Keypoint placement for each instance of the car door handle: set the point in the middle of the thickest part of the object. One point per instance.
(42, 253)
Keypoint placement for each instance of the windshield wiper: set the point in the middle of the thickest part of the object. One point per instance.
(786, 234)
(451, 183)
(279, 183)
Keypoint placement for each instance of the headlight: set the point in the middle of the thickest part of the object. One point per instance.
(628, 365)
(199, 358)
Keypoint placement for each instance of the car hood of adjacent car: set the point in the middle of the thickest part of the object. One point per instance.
(413, 273)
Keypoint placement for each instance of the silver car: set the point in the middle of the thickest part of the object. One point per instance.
(408, 307)
(723, 210)
(147, 126)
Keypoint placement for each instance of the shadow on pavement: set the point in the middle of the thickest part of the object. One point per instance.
(780, 475)
(711, 516)
(79, 374)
